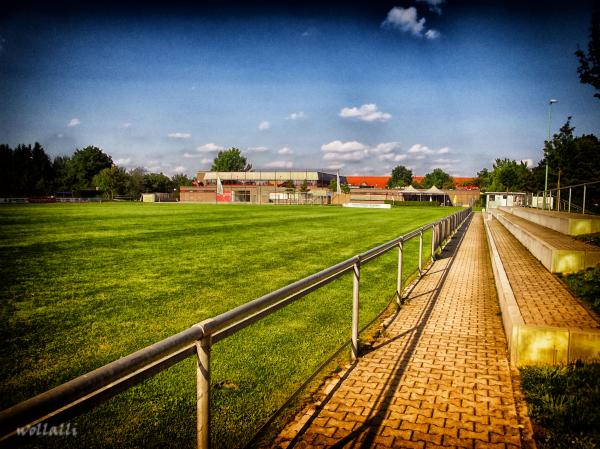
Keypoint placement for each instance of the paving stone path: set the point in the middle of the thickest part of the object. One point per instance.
(527, 277)
(439, 378)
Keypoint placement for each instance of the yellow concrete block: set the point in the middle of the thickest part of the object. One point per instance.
(542, 345)
(567, 261)
(584, 346)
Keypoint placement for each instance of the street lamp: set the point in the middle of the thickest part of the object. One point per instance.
(550, 103)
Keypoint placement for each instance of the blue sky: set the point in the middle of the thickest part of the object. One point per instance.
(425, 84)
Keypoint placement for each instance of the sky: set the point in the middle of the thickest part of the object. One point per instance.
(355, 87)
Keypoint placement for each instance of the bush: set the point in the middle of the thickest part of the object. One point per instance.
(563, 404)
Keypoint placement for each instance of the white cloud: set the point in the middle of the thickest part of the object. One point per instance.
(337, 166)
(74, 122)
(206, 161)
(337, 146)
(407, 21)
(386, 148)
(179, 135)
(434, 5)
(354, 156)
(285, 150)
(179, 169)
(366, 112)
(257, 149)
(446, 161)
(357, 151)
(279, 164)
(297, 116)
(528, 162)
(126, 125)
(425, 150)
(432, 34)
(191, 156)
(123, 161)
(209, 148)
(264, 125)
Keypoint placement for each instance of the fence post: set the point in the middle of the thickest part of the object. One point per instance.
(355, 310)
(569, 199)
(420, 252)
(584, 192)
(558, 199)
(399, 280)
(433, 237)
(203, 393)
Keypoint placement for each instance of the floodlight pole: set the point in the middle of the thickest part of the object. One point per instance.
(550, 103)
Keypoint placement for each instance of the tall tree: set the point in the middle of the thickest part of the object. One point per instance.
(230, 160)
(62, 178)
(135, 182)
(506, 176)
(85, 164)
(401, 176)
(157, 182)
(438, 178)
(112, 181)
(589, 64)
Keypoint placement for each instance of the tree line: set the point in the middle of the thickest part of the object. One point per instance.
(28, 171)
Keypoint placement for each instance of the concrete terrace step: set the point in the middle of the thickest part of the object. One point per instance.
(543, 322)
(563, 222)
(558, 252)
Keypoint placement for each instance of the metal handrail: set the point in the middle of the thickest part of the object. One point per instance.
(90, 389)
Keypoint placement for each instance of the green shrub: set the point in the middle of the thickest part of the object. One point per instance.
(564, 404)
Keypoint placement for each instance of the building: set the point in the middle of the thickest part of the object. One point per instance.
(497, 199)
(261, 187)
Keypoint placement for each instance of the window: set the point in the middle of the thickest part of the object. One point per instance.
(242, 196)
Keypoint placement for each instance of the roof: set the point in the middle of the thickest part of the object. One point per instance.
(373, 181)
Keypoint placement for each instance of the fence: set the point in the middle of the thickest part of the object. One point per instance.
(89, 390)
(579, 198)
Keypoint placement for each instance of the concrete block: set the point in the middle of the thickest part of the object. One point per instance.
(584, 345)
(538, 345)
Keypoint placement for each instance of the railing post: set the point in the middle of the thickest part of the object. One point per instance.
(569, 199)
(399, 280)
(355, 308)
(558, 200)
(420, 252)
(433, 237)
(584, 192)
(203, 393)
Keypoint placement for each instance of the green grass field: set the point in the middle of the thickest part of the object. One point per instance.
(82, 285)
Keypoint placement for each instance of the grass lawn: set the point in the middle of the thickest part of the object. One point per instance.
(85, 284)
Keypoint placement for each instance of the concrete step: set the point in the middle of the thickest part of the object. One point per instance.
(563, 222)
(543, 321)
(558, 252)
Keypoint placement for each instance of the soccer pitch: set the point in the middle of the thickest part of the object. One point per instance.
(85, 284)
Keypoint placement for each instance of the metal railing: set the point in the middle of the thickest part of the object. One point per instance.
(89, 390)
(578, 198)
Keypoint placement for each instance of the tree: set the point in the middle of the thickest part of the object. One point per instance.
(438, 178)
(589, 64)
(135, 182)
(506, 176)
(157, 182)
(112, 181)
(571, 160)
(304, 186)
(25, 171)
(230, 160)
(401, 176)
(62, 179)
(345, 188)
(85, 164)
(180, 179)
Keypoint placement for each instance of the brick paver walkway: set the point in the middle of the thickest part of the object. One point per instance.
(440, 378)
(543, 300)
